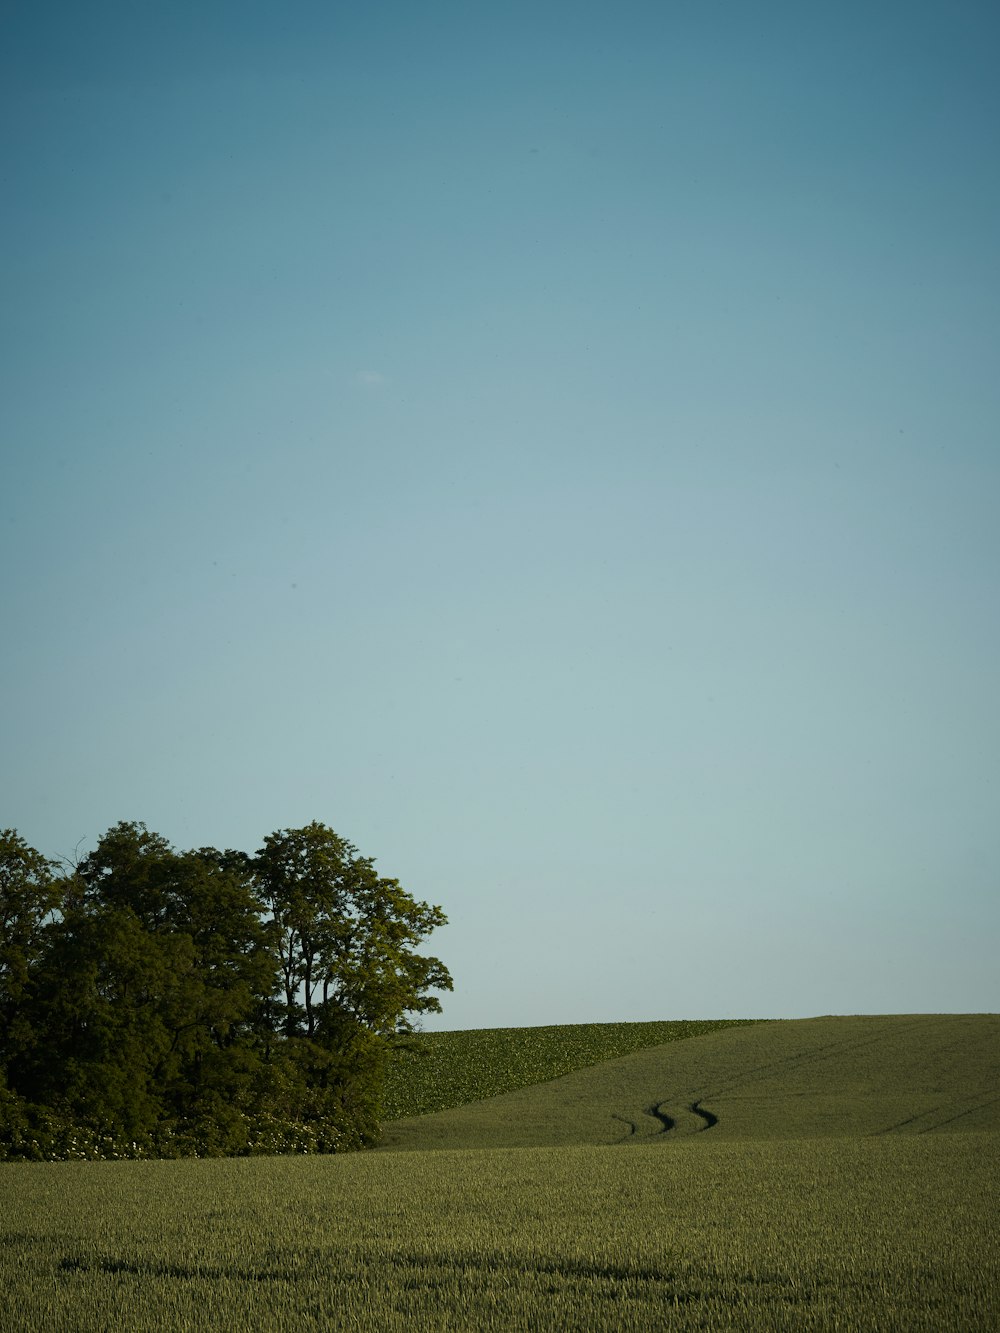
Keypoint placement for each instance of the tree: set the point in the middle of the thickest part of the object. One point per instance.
(346, 938)
(203, 1001)
(29, 894)
(152, 987)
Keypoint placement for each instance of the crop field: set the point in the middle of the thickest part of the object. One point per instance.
(825, 1174)
(813, 1077)
(439, 1070)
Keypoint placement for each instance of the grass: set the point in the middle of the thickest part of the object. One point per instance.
(439, 1070)
(811, 1203)
(815, 1077)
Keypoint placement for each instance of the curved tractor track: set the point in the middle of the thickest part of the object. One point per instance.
(670, 1118)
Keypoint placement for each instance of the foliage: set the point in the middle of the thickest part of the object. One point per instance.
(346, 937)
(142, 996)
(28, 896)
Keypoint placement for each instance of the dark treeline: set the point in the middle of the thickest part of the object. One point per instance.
(160, 1003)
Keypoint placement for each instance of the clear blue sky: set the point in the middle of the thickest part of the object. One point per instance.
(556, 445)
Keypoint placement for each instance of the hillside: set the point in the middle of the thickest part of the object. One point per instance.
(856, 1076)
(434, 1071)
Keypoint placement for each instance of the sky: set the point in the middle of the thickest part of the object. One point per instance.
(555, 445)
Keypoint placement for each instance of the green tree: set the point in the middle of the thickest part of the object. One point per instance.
(29, 894)
(153, 987)
(204, 1000)
(96, 1009)
(347, 937)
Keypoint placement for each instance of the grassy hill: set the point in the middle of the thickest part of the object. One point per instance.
(437, 1070)
(810, 1077)
(834, 1173)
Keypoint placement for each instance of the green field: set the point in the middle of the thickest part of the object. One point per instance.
(838, 1173)
(438, 1070)
(815, 1077)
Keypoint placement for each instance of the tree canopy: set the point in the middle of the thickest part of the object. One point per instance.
(164, 1002)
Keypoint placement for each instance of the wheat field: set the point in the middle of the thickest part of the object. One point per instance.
(837, 1173)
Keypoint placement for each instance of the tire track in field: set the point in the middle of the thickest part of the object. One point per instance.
(630, 1125)
(969, 1110)
(421, 1270)
(978, 1104)
(682, 1119)
(810, 1055)
(911, 1120)
(707, 1116)
(693, 1117)
(666, 1122)
(675, 1120)
(816, 1055)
